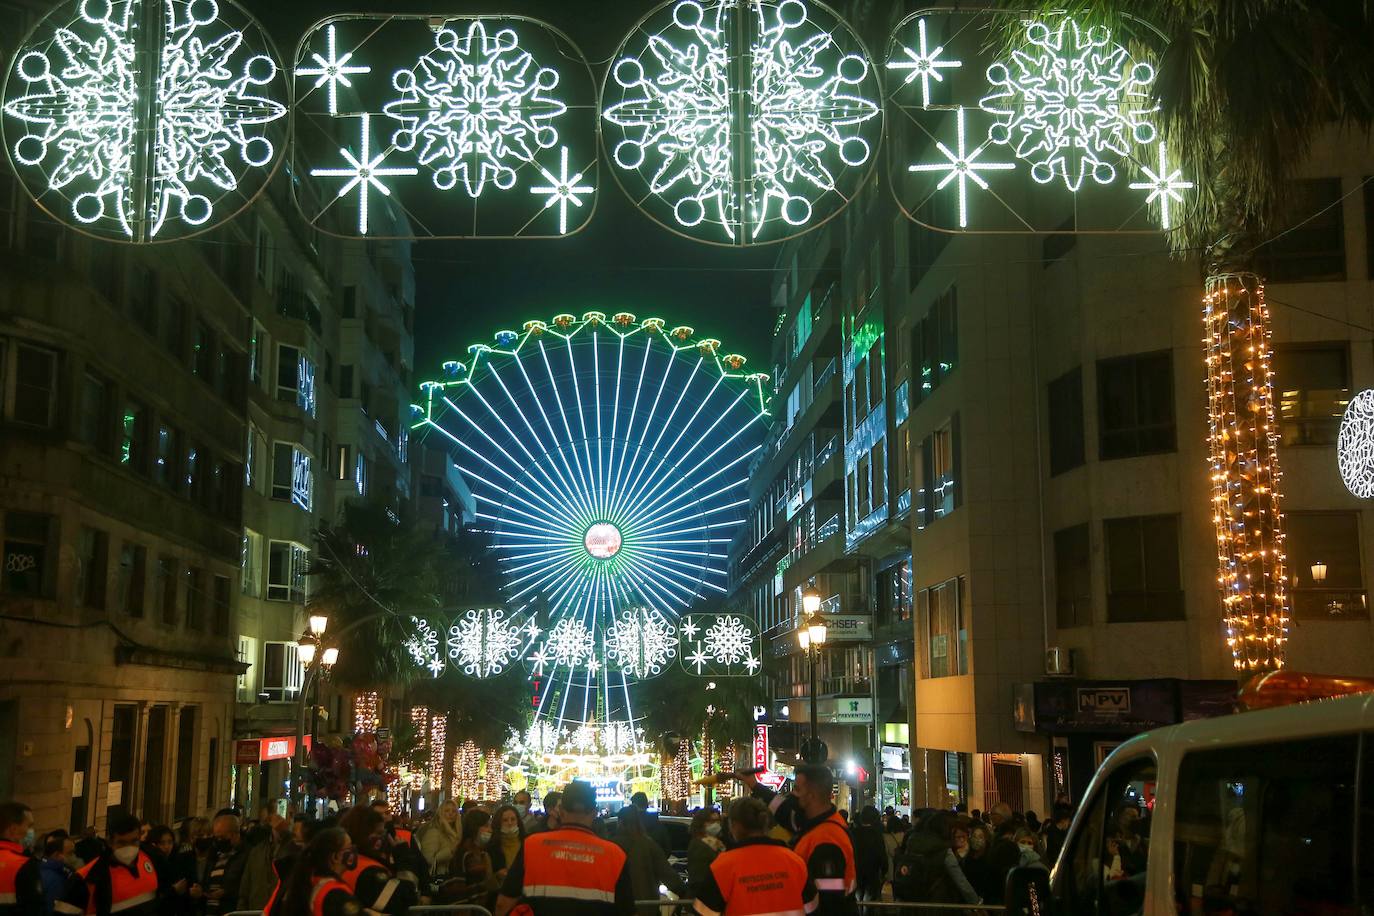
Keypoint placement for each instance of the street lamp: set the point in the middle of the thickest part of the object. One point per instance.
(331, 655)
(312, 654)
(811, 636)
(318, 624)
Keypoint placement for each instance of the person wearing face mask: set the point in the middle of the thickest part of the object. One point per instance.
(372, 880)
(121, 880)
(54, 869)
(507, 839)
(819, 835)
(160, 845)
(224, 877)
(760, 875)
(704, 845)
(1030, 855)
(315, 886)
(974, 863)
(472, 879)
(528, 820)
(21, 882)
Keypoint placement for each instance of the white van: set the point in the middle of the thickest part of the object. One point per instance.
(1267, 812)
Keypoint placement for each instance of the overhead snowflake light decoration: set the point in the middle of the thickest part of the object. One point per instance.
(332, 68)
(923, 63)
(131, 150)
(676, 105)
(423, 646)
(476, 108)
(484, 641)
(961, 165)
(568, 645)
(641, 641)
(1355, 445)
(1163, 186)
(364, 172)
(719, 644)
(1070, 102)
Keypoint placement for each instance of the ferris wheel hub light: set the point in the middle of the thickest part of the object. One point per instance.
(602, 540)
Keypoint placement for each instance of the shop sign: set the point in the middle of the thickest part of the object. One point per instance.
(262, 750)
(894, 758)
(845, 710)
(760, 747)
(1104, 701)
(848, 627)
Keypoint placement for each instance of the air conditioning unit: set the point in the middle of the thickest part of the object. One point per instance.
(1058, 661)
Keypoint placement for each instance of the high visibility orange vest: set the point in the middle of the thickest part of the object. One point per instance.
(130, 887)
(571, 863)
(351, 876)
(403, 836)
(832, 830)
(323, 887)
(761, 878)
(12, 858)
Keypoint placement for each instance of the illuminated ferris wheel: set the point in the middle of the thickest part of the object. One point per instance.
(609, 460)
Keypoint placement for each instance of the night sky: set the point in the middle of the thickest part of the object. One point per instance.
(621, 261)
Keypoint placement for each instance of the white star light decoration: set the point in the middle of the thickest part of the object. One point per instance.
(923, 64)
(1163, 186)
(961, 165)
(364, 171)
(332, 69)
(81, 98)
(423, 647)
(726, 645)
(562, 190)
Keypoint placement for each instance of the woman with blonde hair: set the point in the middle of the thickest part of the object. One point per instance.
(441, 837)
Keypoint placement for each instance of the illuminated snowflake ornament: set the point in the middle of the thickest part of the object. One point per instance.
(1070, 102)
(332, 68)
(923, 63)
(719, 645)
(641, 641)
(1163, 186)
(568, 645)
(960, 165)
(423, 646)
(476, 108)
(1355, 445)
(91, 152)
(676, 104)
(484, 641)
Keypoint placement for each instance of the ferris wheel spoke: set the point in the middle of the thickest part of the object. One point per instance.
(668, 455)
(542, 576)
(563, 414)
(630, 421)
(496, 467)
(538, 558)
(672, 575)
(662, 481)
(663, 429)
(688, 501)
(562, 483)
(695, 508)
(582, 424)
(555, 448)
(689, 491)
(596, 389)
(644, 428)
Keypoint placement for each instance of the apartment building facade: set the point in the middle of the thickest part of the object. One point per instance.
(1006, 471)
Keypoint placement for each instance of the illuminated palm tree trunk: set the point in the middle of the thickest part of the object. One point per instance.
(1245, 471)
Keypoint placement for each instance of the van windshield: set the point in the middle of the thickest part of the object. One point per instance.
(1102, 871)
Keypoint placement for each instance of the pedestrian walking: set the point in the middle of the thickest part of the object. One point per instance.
(758, 875)
(569, 871)
(870, 854)
(21, 881)
(928, 871)
(315, 886)
(122, 879)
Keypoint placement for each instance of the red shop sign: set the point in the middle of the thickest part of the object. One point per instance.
(261, 750)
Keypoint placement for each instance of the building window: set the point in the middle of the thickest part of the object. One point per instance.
(1066, 421)
(360, 474)
(1142, 569)
(894, 594)
(257, 355)
(1072, 578)
(133, 565)
(1312, 247)
(864, 488)
(196, 598)
(935, 343)
(286, 568)
(142, 298)
(293, 474)
(295, 378)
(33, 387)
(28, 554)
(345, 381)
(941, 622)
(168, 589)
(250, 564)
(1314, 387)
(93, 546)
(133, 448)
(192, 475)
(941, 484)
(168, 450)
(282, 672)
(220, 612)
(342, 465)
(247, 654)
(1135, 405)
(255, 467)
(174, 328)
(204, 356)
(1324, 565)
(95, 413)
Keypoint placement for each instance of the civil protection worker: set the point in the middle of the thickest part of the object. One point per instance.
(568, 870)
(819, 835)
(315, 886)
(758, 875)
(121, 881)
(21, 882)
(372, 880)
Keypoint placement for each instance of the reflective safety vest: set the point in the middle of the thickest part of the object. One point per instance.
(403, 836)
(131, 886)
(350, 879)
(571, 863)
(834, 832)
(760, 878)
(12, 860)
(324, 886)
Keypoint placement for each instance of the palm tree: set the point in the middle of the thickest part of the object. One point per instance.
(1243, 87)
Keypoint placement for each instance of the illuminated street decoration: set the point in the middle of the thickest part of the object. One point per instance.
(720, 645)
(961, 165)
(1070, 102)
(475, 108)
(608, 457)
(1163, 186)
(483, 641)
(641, 641)
(1355, 445)
(90, 150)
(923, 63)
(674, 106)
(332, 69)
(364, 171)
(423, 646)
(485, 125)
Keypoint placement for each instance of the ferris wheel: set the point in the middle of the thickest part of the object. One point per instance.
(609, 460)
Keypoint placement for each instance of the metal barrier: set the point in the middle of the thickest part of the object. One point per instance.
(911, 906)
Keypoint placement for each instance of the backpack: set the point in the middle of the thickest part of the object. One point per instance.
(918, 871)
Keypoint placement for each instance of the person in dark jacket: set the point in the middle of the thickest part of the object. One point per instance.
(870, 855)
(227, 859)
(54, 870)
(1056, 829)
(1003, 855)
(160, 846)
(645, 859)
(315, 884)
(929, 871)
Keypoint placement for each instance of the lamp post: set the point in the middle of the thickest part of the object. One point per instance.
(811, 636)
(313, 655)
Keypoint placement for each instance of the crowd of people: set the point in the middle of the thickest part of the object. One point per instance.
(780, 852)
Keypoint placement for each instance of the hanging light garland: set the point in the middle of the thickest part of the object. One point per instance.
(467, 761)
(676, 775)
(494, 778)
(438, 743)
(366, 713)
(725, 790)
(1245, 471)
